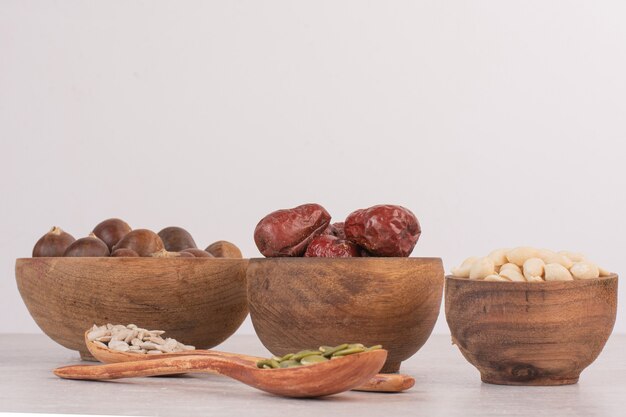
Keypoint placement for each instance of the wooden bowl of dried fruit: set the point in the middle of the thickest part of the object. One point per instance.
(517, 328)
(201, 301)
(296, 303)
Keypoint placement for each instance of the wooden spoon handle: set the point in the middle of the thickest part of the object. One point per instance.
(387, 383)
(154, 367)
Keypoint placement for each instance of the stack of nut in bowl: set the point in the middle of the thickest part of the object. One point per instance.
(119, 274)
(526, 264)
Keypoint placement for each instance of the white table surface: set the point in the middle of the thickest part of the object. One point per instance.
(446, 385)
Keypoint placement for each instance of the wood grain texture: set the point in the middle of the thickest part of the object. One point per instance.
(326, 378)
(299, 303)
(379, 383)
(531, 333)
(199, 301)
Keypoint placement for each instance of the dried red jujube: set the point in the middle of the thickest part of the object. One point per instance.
(288, 232)
(328, 246)
(336, 229)
(384, 230)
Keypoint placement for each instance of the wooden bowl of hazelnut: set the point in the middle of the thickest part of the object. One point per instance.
(528, 316)
(348, 282)
(159, 281)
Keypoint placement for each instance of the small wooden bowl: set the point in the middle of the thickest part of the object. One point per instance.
(198, 301)
(298, 303)
(520, 333)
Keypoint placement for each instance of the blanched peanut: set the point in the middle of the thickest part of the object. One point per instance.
(550, 257)
(498, 256)
(574, 256)
(482, 268)
(534, 279)
(545, 255)
(557, 272)
(510, 266)
(584, 270)
(512, 275)
(519, 255)
(495, 277)
(533, 267)
(603, 272)
(463, 271)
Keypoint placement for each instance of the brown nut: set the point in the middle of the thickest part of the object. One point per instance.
(224, 249)
(384, 230)
(143, 241)
(111, 231)
(176, 239)
(198, 253)
(164, 253)
(288, 232)
(124, 253)
(53, 243)
(90, 246)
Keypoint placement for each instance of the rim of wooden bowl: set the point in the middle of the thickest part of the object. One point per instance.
(533, 284)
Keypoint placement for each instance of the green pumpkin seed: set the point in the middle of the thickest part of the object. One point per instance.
(304, 353)
(348, 351)
(271, 363)
(310, 357)
(356, 345)
(289, 364)
(329, 352)
(308, 360)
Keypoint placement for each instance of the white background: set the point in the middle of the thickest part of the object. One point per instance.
(498, 123)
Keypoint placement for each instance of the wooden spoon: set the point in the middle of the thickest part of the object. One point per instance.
(379, 383)
(325, 378)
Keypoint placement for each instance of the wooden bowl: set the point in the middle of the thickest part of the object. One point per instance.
(298, 303)
(520, 333)
(198, 301)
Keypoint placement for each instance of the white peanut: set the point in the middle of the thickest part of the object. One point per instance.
(533, 267)
(556, 258)
(603, 272)
(557, 272)
(519, 255)
(574, 256)
(482, 268)
(495, 277)
(510, 266)
(512, 275)
(463, 271)
(584, 270)
(498, 256)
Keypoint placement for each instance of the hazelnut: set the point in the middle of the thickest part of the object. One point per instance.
(163, 253)
(224, 249)
(89, 246)
(176, 239)
(111, 231)
(53, 243)
(143, 241)
(124, 253)
(198, 253)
